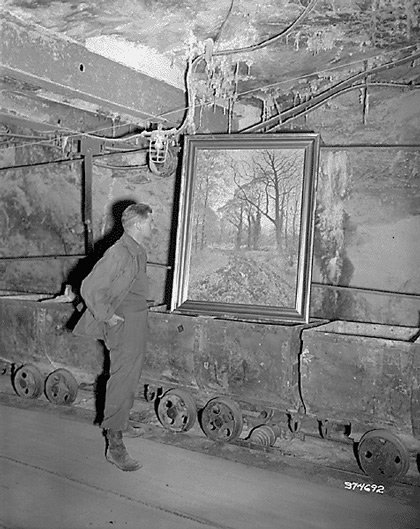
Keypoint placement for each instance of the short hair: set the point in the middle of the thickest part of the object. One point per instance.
(134, 213)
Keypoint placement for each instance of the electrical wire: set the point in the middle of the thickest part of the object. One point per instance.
(305, 76)
(37, 164)
(128, 167)
(24, 136)
(319, 100)
(73, 134)
(203, 105)
(272, 85)
(17, 92)
(217, 37)
(189, 116)
(270, 40)
(190, 107)
(40, 143)
(72, 160)
(333, 96)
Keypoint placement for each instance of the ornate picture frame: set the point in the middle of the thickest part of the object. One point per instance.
(244, 239)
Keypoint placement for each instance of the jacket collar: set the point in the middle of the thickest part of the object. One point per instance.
(133, 246)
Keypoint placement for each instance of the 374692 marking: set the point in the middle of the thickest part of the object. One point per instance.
(367, 487)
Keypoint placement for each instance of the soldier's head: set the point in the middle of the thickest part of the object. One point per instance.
(137, 221)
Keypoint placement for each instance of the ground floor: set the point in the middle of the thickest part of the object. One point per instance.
(54, 475)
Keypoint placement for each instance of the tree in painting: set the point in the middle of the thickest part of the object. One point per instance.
(245, 226)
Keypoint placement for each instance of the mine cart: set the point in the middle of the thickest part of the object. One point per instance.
(237, 377)
(236, 374)
(361, 380)
(243, 381)
(38, 352)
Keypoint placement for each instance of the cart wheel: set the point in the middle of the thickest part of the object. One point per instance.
(61, 387)
(28, 381)
(382, 454)
(221, 419)
(177, 411)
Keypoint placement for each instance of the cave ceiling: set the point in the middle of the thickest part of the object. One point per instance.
(291, 50)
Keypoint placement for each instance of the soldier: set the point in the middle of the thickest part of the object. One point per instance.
(115, 294)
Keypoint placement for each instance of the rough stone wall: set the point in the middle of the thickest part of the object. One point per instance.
(367, 221)
(40, 212)
(368, 207)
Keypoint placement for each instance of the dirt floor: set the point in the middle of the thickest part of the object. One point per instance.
(53, 472)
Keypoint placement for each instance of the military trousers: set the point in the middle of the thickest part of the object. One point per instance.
(126, 342)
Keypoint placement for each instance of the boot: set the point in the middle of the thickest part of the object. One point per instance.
(117, 453)
(134, 431)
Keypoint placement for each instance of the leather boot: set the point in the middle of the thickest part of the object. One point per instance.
(134, 431)
(117, 453)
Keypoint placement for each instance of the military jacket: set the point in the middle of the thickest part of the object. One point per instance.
(109, 282)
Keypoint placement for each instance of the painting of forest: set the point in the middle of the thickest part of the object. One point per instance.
(245, 226)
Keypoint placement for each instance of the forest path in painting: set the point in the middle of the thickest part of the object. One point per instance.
(243, 277)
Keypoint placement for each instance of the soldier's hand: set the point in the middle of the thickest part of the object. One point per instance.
(114, 319)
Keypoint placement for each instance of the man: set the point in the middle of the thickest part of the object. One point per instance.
(115, 294)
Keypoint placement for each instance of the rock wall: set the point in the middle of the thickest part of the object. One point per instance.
(367, 219)
(368, 208)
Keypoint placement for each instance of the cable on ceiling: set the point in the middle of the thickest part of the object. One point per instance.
(74, 134)
(128, 167)
(270, 40)
(217, 37)
(290, 80)
(333, 96)
(193, 63)
(24, 136)
(190, 108)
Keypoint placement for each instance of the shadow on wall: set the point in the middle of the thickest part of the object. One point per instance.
(84, 266)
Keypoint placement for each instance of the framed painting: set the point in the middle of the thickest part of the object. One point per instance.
(244, 238)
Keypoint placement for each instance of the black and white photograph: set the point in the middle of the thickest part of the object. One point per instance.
(209, 264)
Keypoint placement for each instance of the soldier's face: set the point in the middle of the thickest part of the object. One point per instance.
(147, 227)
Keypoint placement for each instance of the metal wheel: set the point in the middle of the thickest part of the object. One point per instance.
(221, 419)
(177, 411)
(28, 381)
(61, 387)
(382, 454)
